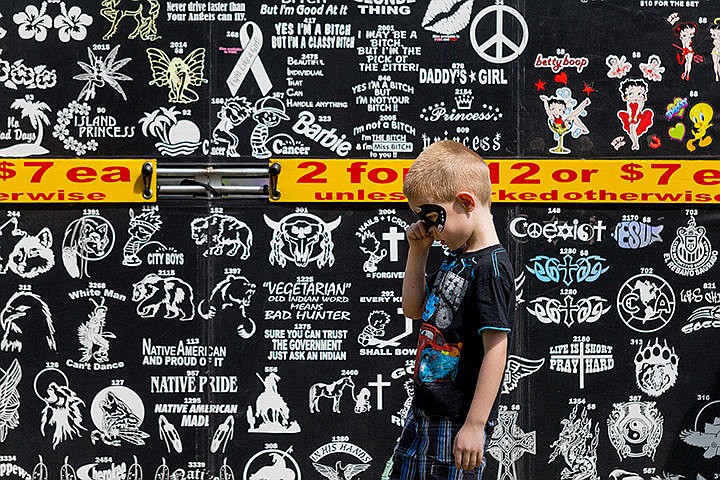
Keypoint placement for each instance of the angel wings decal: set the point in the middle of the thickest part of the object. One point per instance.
(179, 74)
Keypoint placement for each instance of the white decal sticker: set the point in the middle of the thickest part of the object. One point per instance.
(302, 238)
(702, 318)
(222, 234)
(705, 436)
(577, 445)
(16, 74)
(581, 358)
(635, 429)
(646, 303)
(234, 292)
(100, 72)
(233, 112)
(94, 340)
(62, 406)
(519, 284)
(169, 435)
(327, 137)
(118, 413)
(74, 114)
(223, 434)
(9, 398)
(31, 256)
(141, 229)
(25, 313)
(71, 23)
(271, 409)
(691, 253)
(87, 239)
(106, 468)
(381, 239)
(372, 333)
(554, 230)
(398, 418)
(492, 49)
(272, 464)
(620, 474)
(349, 470)
(177, 137)
(249, 60)
(268, 112)
(656, 368)
(441, 113)
(35, 112)
(569, 310)
(333, 391)
(518, 368)
(169, 297)
(447, 17)
(509, 442)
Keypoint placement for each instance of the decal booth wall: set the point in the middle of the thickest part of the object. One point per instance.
(216, 337)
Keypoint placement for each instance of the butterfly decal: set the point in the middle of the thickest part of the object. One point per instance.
(178, 73)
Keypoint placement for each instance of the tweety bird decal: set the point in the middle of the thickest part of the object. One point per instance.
(178, 73)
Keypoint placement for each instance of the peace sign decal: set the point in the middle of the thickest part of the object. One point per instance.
(498, 40)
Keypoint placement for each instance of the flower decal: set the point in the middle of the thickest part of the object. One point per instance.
(72, 23)
(33, 23)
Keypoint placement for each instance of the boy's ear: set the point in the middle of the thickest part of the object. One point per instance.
(467, 200)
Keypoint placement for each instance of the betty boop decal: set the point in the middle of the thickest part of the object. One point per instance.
(636, 119)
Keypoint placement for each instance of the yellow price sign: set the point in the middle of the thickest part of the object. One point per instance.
(25, 180)
(516, 180)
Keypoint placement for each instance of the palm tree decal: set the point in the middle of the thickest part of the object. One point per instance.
(177, 137)
(158, 122)
(35, 112)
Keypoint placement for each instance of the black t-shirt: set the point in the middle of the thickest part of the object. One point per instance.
(471, 292)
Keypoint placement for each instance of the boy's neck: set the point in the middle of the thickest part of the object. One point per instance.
(484, 234)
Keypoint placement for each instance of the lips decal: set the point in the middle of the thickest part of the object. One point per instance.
(447, 17)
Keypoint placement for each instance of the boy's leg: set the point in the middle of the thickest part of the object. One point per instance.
(405, 457)
(424, 450)
(442, 465)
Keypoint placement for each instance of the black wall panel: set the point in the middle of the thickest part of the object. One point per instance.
(191, 340)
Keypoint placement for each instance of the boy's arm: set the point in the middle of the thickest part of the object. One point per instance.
(413, 286)
(469, 442)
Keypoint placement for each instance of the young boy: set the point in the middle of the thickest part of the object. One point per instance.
(467, 309)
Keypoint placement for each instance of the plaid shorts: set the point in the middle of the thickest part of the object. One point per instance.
(424, 450)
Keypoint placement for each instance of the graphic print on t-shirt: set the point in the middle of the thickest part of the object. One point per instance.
(436, 360)
(446, 295)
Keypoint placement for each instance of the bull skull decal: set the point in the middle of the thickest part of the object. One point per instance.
(302, 238)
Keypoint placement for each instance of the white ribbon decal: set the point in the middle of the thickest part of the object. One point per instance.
(249, 60)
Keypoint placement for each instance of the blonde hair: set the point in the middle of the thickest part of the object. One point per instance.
(444, 169)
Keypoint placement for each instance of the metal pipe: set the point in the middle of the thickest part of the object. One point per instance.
(247, 172)
(222, 189)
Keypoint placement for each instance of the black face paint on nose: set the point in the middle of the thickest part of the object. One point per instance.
(433, 216)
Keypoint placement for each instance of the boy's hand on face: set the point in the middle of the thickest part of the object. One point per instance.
(418, 235)
(468, 446)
